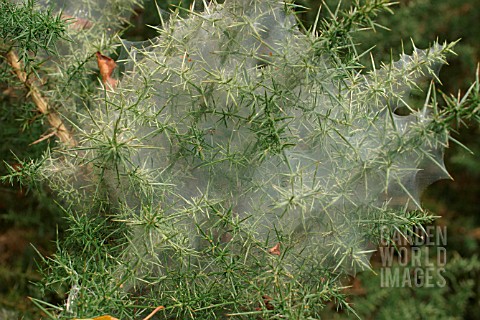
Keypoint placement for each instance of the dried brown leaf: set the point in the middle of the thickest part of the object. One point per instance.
(106, 65)
(77, 23)
(275, 250)
(109, 317)
(105, 317)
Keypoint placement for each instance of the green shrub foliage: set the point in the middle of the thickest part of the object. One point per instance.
(242, 164)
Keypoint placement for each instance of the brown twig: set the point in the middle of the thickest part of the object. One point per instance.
(154, 311)
(53, 118)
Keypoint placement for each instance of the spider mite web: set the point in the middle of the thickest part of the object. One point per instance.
(240, 115)
(339, 157)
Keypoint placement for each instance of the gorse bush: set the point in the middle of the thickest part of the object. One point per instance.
(239, 165)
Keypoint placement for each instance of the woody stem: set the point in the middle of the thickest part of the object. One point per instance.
(40, 101)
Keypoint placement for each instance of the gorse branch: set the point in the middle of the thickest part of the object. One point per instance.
(240, 167)
(54, 119)
(26, 30)
(338, 29)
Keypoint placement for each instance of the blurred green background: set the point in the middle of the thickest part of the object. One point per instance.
(32, 218)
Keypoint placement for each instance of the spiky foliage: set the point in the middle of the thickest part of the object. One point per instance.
(241, 167)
